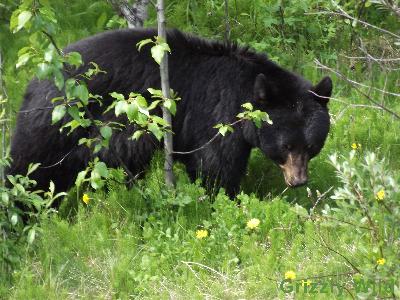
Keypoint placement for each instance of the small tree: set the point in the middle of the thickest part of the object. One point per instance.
(168, 145)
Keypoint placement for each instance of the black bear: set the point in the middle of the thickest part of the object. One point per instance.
(213, 79)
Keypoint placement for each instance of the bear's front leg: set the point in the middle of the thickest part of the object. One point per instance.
(219, 165)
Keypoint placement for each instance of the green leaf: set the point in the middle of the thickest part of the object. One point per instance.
(82, 93)
(106, 132)
(23, 18)
(165, 47)
(74, 58)
(31, 235)
(155, 129)
(121, 107)
(43, 71)
(132, 111)
(23, 59)
(99, 171)
(97, 148)
(84, 141)
(144, 111)
(154, 104)
(80, 178)
(49, 15)
(58, 113)
(171, 106)
(5, 198)
(142, 43)
(137, 134)
(141, 101)
(58, 79)
(247, 106)
(69, 87)
(157, 52)
(267, 119)
(14, 20)
(223, 130)
(155, 93)
(241, 115)
(117, 96)
(73, 111)
(50, 54)
(101, 168)
(14, 219)
(96, 183)
(52, 187)
(257, 122)
(159, 121)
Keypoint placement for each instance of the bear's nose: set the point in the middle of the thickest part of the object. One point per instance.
(298, 182)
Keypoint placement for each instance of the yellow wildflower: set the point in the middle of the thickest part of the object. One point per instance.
(253, 223)
(354, 146)
(85, 198)
(380, 195)
(381, 261)
(306, 282)
(290, 275)
(201, 234)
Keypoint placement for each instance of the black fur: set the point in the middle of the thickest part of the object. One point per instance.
(213, 80)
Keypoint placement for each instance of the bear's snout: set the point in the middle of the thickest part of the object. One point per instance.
(295, 169)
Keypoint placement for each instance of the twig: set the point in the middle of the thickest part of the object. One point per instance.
(188, 263)
(348, 223)
(53, 42)
(348, 105)
(60, 161)
(338, 253)
(112, 149)
(374, 58)
(344, 102)
(344, 14)
(4, 124)
(195, 274)
(51, 107)
(284, 191)
(320, 197)
(355, 84)
(206, 144)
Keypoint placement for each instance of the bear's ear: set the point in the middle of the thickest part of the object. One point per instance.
(260, 88)
(324, 90)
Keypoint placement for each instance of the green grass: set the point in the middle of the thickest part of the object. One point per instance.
(122, 247)
(141, 243)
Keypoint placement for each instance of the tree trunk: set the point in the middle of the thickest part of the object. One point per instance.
(135, 14)
(168, 146)
(3, 122)
(227, 25)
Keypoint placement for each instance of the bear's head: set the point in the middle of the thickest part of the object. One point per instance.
(300, 119)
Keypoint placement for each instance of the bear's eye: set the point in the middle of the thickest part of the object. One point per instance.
(287, 147)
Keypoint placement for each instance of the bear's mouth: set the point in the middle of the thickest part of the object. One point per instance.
(295, 169)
